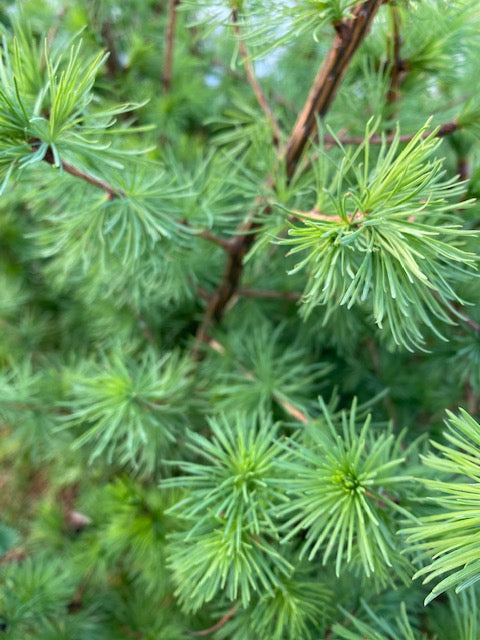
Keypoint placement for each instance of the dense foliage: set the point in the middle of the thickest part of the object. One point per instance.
(240, 322)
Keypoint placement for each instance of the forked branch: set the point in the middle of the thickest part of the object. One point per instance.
(349, 36)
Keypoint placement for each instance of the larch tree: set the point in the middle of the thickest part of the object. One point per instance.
(239, 319)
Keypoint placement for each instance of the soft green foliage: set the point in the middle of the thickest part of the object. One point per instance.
(344, 493)
(256, 369)
(223, 374)
(391, 243)
(292, 610)
(46, 107)
(298, 606)
(35, 595)
(239, 483)
(229, 511)
(456, 619)
(378, 629)
(451, 535)
(270, 24)
(131, 412)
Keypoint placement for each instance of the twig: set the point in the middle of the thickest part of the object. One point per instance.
(350, 35)
(346, 42)
(115, 192)
(469, 322)
(218, 625)
(238, 248)
(52, 33)
(14, 555)
(169, 45)
(203, 293)
(211, 237)
(470, 398)
(112, 192)
(291, 410)
(250, 73)
(446, 129)
(131, 633)
(314, 214)
(287, 406)
(345, 623)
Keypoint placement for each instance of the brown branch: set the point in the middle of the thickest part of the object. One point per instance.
(239, 247)
(469, 321)
(250, 73)
(314, 214)
(218, 625)
(14, 555)
(169, 45)
(445, 130)
(211, 237)
(132, 633)
(291, 410)
(347, 40)
(470, 398)
(287, 406)
(203, 293)
(349, 36)
(112, 192)
(345, 623)
(52, 34)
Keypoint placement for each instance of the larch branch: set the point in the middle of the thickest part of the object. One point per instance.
(169, 45)
(116, 192)
(206, 234)
(445, 130)
(111, 191)
(349, 36)
(218, 625)
(463, 168)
